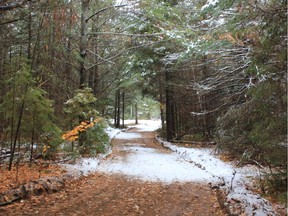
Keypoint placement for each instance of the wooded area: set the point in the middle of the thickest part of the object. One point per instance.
(212, 70)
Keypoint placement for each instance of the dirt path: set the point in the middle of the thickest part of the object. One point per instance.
(115, 195)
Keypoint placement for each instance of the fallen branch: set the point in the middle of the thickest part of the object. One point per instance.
(195, 142)
(10, 201)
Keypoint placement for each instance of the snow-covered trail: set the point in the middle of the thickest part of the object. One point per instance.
(137, 155)
(105, 192)
(143, 158)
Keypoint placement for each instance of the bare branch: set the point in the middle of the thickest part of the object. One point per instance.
(10, 21)
(13, 5)
(125, 34)
(121, 53)
(103, 59)
(224, 106)
(108, 8)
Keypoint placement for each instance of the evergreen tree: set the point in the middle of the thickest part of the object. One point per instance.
(29, 113)
(88, 126)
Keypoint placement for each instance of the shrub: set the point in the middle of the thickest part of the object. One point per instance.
(256, 132)
(90, 133)
(97, 140)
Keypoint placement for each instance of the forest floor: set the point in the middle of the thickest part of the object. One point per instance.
(117, 194)
(139, 177)
(27, 172)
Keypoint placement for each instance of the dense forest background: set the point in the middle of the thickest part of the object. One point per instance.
(210, 69)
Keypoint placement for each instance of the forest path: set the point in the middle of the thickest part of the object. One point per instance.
(114, 192)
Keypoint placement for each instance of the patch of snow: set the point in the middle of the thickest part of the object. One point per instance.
(169, 59)
(210, 3)
(112, 132)
(181, 165)
(198, 113)
(148, 125)
(160, 49)
(198, 86)
(152, 165)
(231, 179)
(125, 135)
(190, 46)
(252, 204)
(173, 34)
(83, 166)
(202, 158)
(214, 22)
(220, 21)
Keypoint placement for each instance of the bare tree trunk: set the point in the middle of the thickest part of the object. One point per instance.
(18, 160)
(12, 121)
(68, 67)
(82, 69)
(93, 75)
(83, 43)
(136, 113)
(176, 120)
(118, 108)
(17, 131)
(36, 49)
(123, 109)
(32, 136)
(162, 112)
(115, 108)
(161, 100)
(170, 119)
(29, 32)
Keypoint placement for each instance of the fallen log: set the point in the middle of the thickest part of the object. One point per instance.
(36, 187)
(194, 142)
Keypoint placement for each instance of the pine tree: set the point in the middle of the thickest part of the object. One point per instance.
(29, 113)
(88, 125)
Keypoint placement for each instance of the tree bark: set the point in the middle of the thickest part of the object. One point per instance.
(83, 44)
(93, 74)
(136, 113)
(29, 32)
(170, 120)
(123, 109)
(115, 108)
(82, 69)
(32, 136)
(17, 131)
(118, 108)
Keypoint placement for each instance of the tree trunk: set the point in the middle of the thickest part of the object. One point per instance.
(123, 109)
(176, 120)
(170, 120)
(118, 108)
(32, 136)
(83, 44)
(12, 120)
(82, 69)
(162, 101)
(115, 108)
(17, 131)
(93, 74)
(136, 113)
(29, 32)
